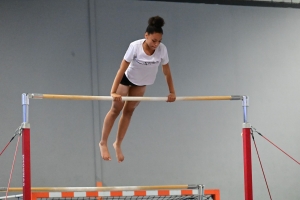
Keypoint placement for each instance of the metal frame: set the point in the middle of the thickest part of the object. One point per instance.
(26, 139)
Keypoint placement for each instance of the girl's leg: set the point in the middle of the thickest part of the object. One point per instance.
(109, 120)
(125, 118)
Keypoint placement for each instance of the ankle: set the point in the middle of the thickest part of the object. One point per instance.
(117, 143)
(103, 143)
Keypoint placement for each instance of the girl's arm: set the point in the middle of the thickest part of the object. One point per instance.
(124, 65)
(168, 75)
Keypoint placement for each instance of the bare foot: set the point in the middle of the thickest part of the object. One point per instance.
(104, 151)
(119, 153)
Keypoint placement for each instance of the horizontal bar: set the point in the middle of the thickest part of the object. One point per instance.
(126, 98)
(87, 189)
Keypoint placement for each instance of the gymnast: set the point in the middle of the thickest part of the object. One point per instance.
(137, 70)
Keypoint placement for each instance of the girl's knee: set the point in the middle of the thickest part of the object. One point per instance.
(115, 111)
(129, 108)
(128, 112)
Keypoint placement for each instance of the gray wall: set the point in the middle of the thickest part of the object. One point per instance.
(75, 47)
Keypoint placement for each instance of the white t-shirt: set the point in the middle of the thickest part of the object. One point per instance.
(143, 68)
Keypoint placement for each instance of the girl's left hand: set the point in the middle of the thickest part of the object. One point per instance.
(171, 97)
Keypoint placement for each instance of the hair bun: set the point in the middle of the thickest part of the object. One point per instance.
(156, 21)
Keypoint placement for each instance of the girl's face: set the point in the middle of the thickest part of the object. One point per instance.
(153, 40)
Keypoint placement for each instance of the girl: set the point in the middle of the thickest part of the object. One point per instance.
(137, 70)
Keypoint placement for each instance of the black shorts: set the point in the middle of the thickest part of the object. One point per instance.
(126, 82)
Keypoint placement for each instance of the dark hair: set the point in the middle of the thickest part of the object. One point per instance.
(155, 24)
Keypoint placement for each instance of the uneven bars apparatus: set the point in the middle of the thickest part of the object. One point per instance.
(26, 131)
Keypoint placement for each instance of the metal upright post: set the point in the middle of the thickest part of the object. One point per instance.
(247, 152)
(26, 149)
(200, 192)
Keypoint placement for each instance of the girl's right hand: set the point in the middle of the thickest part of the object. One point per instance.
(116, 97)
